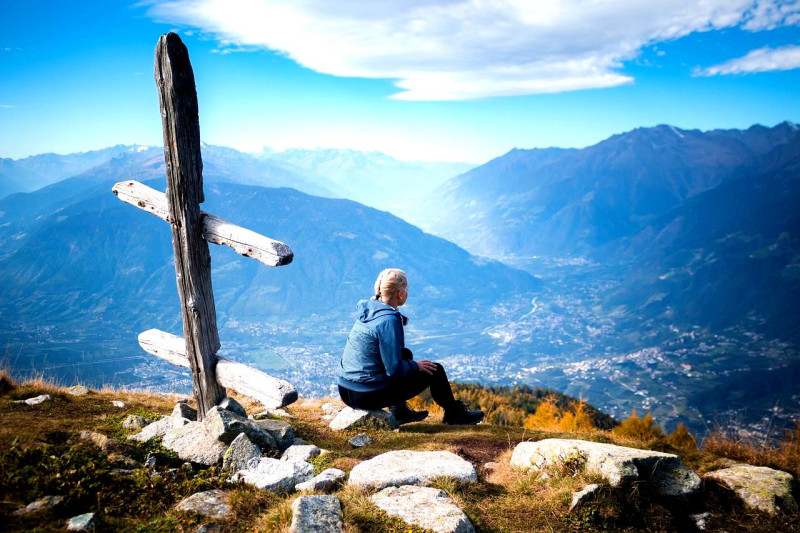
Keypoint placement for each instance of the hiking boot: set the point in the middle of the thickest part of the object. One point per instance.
(404, 414)
(460, 414)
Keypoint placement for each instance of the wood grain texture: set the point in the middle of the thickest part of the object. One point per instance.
(270, 391)
(215, 229)
(177, 98)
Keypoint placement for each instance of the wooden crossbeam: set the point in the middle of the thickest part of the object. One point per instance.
(270, 391)
(215, 229)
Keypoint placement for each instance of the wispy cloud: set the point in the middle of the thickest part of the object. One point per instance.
(6, 106)
(761, 60)
(464, 49)
(770, 14)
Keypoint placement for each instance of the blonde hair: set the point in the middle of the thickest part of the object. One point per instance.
(389, 282)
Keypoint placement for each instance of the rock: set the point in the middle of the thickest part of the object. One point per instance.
(330, 408)
(161, 459)
(193, 442)
(664, 473)
(83, 522)
(229, 404)
(117, 403)
(282, 432)
(491, 466)
(77, 390)
(316, 514)
(182, 410)
(211, 503)
(582, 496)
(122, 460)
(45, 502)
(300, 452)
(99, 440)
(208, 528)
(759, 487)
(274, 475)
(426, 507)
(135, 422)
(225, 426)
(270, 413)
(360, 440)
(353, 418)
(299, 442)
(239, 453)
(700, 520)
(325, 481)
(406, 467)
(152, 431)
(36, 400)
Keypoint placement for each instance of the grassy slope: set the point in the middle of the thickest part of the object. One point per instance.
(42, 454)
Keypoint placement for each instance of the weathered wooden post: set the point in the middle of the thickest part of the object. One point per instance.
(191, 230)
(177, 98)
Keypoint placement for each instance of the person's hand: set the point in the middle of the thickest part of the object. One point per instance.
(429, 367)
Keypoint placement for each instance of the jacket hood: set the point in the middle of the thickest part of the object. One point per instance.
(369, 310)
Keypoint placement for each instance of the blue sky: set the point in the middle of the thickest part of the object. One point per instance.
(434, 80)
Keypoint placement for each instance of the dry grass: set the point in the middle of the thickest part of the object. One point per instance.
(503, 500)
(785, 456)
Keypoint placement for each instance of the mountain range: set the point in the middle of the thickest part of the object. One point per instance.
(657, 269)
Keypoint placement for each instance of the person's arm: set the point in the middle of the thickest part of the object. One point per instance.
(391, 341)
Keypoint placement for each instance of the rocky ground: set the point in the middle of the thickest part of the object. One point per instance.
(123, 461)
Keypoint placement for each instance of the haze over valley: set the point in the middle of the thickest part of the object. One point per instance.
(657, 270)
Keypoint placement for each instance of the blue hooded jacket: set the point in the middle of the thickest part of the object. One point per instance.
(373, 355)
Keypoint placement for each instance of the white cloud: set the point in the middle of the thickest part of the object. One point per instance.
(6, 106)
(761, 60)
(770, 14)
(463, 49)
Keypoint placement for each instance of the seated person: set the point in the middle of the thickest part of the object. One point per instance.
(377, 370)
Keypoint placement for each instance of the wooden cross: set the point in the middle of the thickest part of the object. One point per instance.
(192, 229)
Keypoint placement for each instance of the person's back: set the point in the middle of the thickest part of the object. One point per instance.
(377, 370)
(373, 352)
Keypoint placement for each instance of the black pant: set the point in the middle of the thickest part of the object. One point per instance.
(402, 389)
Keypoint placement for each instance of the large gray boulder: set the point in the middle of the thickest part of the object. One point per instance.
(664, 473)
(356, 418)
(183, 410)
(407, 467)
(759, 487)
(226, 425)
(239, 453)
(300, 452)
(325, 481)
(159, 428)
(281, 431)
(193, 442)
(211, 503)
(229, 404)
(274, 475)
(136, 422)
(316, 514)
(426, 507)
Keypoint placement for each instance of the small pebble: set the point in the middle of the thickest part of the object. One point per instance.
(360, 440)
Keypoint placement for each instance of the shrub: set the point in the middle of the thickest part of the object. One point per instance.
(641, 429)
(682, 439)
(547, 416)
(578, 420)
